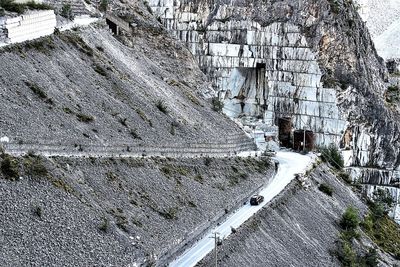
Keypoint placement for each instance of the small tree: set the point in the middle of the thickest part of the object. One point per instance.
(350, 219)
(217, 104)
(103, 5)
(66, 12)
(332, 155)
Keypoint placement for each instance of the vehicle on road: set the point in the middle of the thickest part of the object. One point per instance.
(256, 200)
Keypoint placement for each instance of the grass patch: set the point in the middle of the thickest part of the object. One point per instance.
(325, 188)
(84, 118)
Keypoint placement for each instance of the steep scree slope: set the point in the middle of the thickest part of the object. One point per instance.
(87, 89)
(115, 212)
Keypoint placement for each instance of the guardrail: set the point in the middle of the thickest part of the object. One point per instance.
(132, 150)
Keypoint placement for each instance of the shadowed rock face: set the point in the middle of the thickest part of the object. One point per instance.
(300, 228)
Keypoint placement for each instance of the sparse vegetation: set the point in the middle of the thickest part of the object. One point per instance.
(335, 7)
(207, 161)
(172, 129)
(135, 134)
(169, 214)
(66, 12)
(12, 6)
(379, 227)
(111, 176)
(68, 110)
(36, 90)
(332, 155)
(33, 166)
(84, 118)
(217, 105)
(325, 188)
(161, 106)
(104, 225)
(9, 167)
(392, 94)
(103, 5)
(198, 178)
(61, 185)
(38, 211)
(100, 70)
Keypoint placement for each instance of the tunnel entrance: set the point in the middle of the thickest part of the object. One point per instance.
(303, 140)
(285, 129)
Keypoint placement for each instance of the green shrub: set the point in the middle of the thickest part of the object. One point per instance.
(103, 5)
(104, 225)
(334, 4)
(66, 12)
(38, 211)
(350, 219)
(198, 178)
(172, 129)
(9, 167)
(325, 188)
(370, 259)
(100, 70)
(36, 90)
(135, 134)
(332, 155)
(11, 6)
(217, 105)
(34, 166)
(346, 177)
(84, 118)
(170, 214)
(346, 254)
(207, 161)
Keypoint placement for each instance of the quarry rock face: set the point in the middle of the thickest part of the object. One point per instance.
(310, 62)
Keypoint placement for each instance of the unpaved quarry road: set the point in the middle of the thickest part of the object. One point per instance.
(290, 163)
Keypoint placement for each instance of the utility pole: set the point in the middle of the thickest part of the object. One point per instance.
(216, 238)
(304, 138)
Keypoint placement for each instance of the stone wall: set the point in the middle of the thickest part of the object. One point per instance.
(31, 25)
(3, 35)
(266, 72)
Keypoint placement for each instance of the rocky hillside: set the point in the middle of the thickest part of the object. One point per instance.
(85, 90)
(382, 18)
(119, 212)
(320, 67)
(301, 228)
